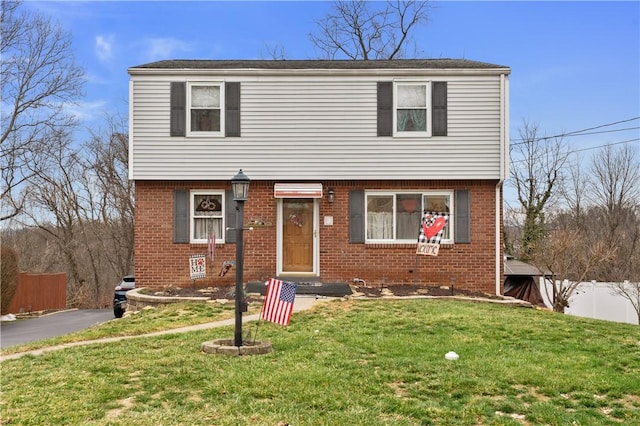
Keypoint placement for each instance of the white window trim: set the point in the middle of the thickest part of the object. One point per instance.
(193, 134)
(396, 133)
(192, 216)
(449, 193)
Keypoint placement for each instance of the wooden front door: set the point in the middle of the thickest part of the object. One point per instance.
(297, 235)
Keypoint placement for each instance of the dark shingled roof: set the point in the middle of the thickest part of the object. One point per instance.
(319, 64)
(517, 267)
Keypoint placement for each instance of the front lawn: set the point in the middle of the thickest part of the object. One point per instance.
(364, 362)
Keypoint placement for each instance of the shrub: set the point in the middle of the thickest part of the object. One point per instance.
(9, 277)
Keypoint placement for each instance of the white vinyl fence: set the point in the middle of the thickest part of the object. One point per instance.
(595, 300)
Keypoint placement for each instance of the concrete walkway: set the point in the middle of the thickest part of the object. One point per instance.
(301, 303)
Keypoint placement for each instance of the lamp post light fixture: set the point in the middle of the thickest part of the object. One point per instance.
(240, 187)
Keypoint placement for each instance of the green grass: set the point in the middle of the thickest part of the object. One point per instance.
(373, 362)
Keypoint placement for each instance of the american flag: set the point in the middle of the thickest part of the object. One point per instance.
(278, 305)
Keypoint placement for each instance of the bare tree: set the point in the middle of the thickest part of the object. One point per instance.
(615, 188)
(112, 201)
(597, 236)
(536, 173)
(631, 292)
(615, 194)
(38, 78)
(80, 217)
(361, 30)
(55, 202)
(574, 193)
(571, 258)
(274, 51)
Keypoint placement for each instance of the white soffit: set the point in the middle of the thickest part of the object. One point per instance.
(297, 190)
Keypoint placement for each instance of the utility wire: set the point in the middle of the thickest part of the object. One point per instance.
(601, 146)
(581, 132)
(574, 151)
(604, 131)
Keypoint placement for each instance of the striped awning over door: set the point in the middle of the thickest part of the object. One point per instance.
(297, 190)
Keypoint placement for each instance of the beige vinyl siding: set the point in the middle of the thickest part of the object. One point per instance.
(313, 128)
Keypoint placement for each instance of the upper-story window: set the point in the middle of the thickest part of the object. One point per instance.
(412, 109)
(205, 109)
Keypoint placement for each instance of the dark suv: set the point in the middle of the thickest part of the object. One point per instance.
(120, 295)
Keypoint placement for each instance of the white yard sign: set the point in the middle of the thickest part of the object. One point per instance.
(198, 266)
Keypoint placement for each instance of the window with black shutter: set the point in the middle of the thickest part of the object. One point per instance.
(205, 109)
(200, 214)
(396, 217)
(404, 108)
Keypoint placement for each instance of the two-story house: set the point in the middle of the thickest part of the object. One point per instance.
(343, 157)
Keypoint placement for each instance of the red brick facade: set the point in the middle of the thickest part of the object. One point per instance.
(159, 262)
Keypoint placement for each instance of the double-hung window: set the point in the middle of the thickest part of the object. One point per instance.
(207, 215)
(397, 216)
(412, 109)
(205, 109)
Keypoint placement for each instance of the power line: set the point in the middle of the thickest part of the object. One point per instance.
(606, 144)
(574, 151)
(581, 132)
(603, 125)
(604, 131)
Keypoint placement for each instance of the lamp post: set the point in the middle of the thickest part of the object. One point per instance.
(240, 187)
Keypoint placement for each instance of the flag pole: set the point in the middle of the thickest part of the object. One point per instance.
(255, 335)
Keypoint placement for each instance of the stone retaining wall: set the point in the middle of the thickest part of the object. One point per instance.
(136, 300)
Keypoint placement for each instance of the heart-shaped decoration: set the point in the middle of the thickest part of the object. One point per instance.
(434, 227)
(409, 205)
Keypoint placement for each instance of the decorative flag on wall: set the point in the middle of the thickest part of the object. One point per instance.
(278, 304)
(431, 231)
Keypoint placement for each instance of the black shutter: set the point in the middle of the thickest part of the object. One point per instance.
(178, 113)
(229, 217)
(356, 216)
(385, 108)
(232, 109)
(439, 107)
(181, 216)
(462, 216)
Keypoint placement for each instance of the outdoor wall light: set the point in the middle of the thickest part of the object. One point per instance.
(331, 195)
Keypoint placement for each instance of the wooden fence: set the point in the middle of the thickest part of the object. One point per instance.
(39, 292)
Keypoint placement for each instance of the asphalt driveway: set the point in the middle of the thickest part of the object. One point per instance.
(29, 330)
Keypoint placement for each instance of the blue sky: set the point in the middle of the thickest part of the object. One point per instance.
(575, 65)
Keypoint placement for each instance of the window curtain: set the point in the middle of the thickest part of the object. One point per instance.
(204, 227)
(380, 226)
(412, 120)
(408, 225)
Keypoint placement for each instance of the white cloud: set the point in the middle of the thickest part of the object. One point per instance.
(86, 111)
(165, 48)
(104, 47)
